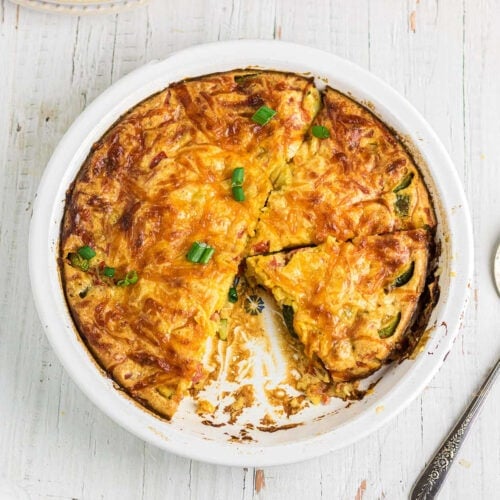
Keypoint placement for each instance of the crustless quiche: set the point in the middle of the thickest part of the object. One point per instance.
(245, 172)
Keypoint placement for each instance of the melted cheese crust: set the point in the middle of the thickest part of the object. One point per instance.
(344, 295)
(160, 179)
(344, 186)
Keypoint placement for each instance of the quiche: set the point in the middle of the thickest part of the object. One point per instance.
(225, 176)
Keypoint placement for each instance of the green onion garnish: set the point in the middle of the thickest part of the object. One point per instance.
(86, 252)
(206, 255)
(320, 132)
(130, 278)
(196, 251)
(200, 253)
(232, 296)
(238, 193)
(238, 176)
(109, 272)
(237, 181)
(263, 115)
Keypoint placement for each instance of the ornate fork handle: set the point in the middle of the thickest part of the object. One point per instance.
(433, 476)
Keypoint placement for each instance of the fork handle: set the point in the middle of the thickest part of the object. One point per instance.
(432, 478)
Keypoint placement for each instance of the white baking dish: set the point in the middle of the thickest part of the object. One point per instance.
(339, 425)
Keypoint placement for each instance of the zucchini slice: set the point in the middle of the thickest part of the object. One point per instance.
(402, 205)
(406, 276)
(389, 329)
(288, 318)
(405, 182)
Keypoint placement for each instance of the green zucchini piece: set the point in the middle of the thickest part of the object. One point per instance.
(389, 329)
(402, 205)
(405, 182)
(241, 78)
(403, 278)
(288, 318)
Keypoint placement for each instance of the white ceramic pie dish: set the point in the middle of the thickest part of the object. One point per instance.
(323, 429)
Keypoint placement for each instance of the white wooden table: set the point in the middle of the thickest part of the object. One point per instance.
(444, 57)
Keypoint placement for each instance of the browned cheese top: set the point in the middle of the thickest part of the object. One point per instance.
(352, 302)
(358, 181)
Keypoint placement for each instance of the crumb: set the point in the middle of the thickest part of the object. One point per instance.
(413, 21)
(205, 407)
(259, 480)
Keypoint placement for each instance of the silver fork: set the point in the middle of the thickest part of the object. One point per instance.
(433, 476)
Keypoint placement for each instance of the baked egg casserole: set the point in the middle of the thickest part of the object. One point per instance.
(245, 178)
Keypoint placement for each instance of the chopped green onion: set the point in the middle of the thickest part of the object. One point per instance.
(196, 251)
(86, 252)
(222, 331)
(320, 132)
(109, 272)
(238, 176)
(200, 253)
(78, 261)
(130, 278)
(238, 193)
(207, 255)
(232, 296)
(263, 115)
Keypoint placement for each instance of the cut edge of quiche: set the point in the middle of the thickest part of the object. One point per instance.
(127, 328)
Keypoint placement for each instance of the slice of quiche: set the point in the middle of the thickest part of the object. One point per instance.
(352, 302)
(357, 181)
(157, 183)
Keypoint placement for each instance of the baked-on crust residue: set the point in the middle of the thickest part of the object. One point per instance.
(161, 179)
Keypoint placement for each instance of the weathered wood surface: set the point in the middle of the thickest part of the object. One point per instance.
(443, 56)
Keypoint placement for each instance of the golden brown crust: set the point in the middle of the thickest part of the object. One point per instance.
(160, 179)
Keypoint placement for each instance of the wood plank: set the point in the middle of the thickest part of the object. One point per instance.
(443, 56)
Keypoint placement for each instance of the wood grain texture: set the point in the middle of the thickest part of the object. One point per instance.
(442, 55)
